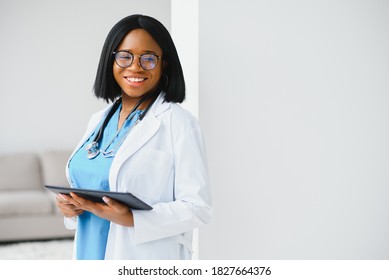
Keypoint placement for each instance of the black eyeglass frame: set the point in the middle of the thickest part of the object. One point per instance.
(133, 59)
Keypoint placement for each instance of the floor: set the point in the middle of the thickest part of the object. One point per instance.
(37, 250)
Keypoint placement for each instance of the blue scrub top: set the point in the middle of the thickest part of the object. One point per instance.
(92, 231)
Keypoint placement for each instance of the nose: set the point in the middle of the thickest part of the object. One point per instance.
(135, 65)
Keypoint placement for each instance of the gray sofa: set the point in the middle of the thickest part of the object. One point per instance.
(27, 209)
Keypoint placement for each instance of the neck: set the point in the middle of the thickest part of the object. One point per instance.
(128, 103)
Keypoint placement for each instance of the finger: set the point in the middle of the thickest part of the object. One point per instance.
(115, 205)
(77, 200)
(61, 203)
(70, 214)
(64, 201)
(68, 209)
(78, 211)
(84, 204)
(62, 197)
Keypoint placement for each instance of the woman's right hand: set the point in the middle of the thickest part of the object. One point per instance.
(68, 209)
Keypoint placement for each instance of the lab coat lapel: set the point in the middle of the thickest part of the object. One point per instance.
(139, 135)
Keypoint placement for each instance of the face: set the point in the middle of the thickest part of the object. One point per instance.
(134, 80)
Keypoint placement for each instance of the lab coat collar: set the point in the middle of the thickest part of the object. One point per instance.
(159, 106)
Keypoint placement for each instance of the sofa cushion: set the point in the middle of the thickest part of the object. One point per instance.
(54, 167)
(25, 203)
(20, 171)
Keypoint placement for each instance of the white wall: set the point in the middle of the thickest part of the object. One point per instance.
(49, 54)
(293, 100)
(184, 31)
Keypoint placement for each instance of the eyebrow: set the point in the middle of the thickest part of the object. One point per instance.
(145, 51)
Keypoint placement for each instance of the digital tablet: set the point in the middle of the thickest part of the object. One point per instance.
(94, 195)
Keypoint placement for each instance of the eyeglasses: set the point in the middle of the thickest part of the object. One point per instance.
(147, 61)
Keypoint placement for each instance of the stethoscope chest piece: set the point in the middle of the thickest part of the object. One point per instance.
(92, 149)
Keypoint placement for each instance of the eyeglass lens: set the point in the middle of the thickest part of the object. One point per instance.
(125, 59)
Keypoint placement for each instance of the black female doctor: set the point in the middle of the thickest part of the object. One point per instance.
(143, 143)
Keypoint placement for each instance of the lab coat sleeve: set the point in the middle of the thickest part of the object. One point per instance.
(70, 223)
(192, 205)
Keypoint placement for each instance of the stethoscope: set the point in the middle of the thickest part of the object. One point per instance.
(92, 148)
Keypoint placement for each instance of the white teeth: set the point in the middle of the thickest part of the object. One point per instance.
(135, 80)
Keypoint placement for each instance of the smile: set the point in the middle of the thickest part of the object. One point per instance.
(135, 79)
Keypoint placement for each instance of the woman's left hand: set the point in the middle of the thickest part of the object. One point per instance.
(112, 210)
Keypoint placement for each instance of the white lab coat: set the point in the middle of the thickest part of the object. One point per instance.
(163, 162)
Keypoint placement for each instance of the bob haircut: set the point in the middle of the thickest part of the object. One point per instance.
(106, 87)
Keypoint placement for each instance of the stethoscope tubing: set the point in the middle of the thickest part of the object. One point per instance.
(93, 147)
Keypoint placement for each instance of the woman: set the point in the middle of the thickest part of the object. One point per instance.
(144, 143)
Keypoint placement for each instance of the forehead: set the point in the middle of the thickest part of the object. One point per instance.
(139, 41)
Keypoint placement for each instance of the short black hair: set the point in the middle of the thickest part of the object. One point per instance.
(105, 85)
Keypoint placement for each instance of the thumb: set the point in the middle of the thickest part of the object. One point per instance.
(108, 201)
(115, 205)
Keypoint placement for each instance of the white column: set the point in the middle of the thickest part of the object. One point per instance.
(184, 30)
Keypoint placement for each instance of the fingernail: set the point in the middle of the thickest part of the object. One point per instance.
(106, 199)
